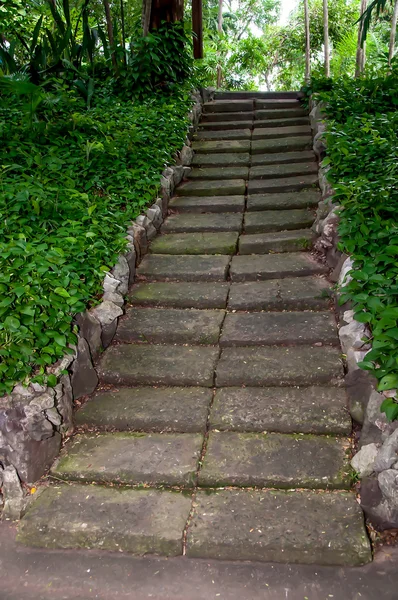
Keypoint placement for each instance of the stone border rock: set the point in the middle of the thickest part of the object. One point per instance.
(34, 418)
(376, 462)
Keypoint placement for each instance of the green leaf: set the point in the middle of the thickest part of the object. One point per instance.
(390, 408)
(60, 291)
(388, 382)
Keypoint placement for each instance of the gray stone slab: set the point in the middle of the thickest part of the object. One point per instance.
(287, 113)
(217, 117)
(225, 106)
(195, 243)
(282, 184)
(277, 158)
(161, 267)
(131, 458)
(180, 295)
(234, 146)
(266, 133)
(150, 409)
(298, 293)
(130, 364)
(226, 187)
(170, 325)
(219, 173)
(211, 204)
(282, 122)
(318, 410)
(282, 241)
(184, 223)
(283, 170)
(279, 145)
(219, 125)
(283, 201)
(274, 328)
(291, 527)
(224, 134)
(119, 520)
(268, 366)
(279, 103)
(275, 460)
(274, 266)
(239, 159)
(278, 220)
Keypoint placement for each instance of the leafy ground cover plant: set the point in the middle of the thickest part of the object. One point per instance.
(362, 153)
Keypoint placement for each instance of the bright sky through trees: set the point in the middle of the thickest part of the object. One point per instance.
(286, 7)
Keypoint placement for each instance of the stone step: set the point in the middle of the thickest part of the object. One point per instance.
(250, 95)
(278, 366)
(227, 134)
(280, 145)
(284, 201)
(278, 220)
(144, 364)
(149, 409)
(281, 103)
(274, 266)
(187, 222)
(231, 159)
(222, 117)
(298, 293)
(276, 460)
(219, 125)
(280, 241)
(227, 187)
(163, 267)
(131, 458)
(323, 528)
(317, 410)
(180, 295)
(145, 521)
(209, 204)
(265, 133)
(170, 326)
(218, 173)
(228, 106)
(282, 184)
(278, 328)
(279, 158)
(282, 122)
(216, 147)
(195, 243)
(283, 170)
(280, 113)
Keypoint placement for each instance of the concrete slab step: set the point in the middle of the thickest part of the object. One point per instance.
(216, 147)
(317, 410)
(281, 145)
(142, 364)
(195, 243)
(279, 328)
(283, 170)
(279, 158)
(278, 366)
(280, 113)
(224, 134)
(265, 133)
(162, 267)
(131, 458)
(180, 295)
(218, 173)
(279, 241)
(274, 266)
(244, 95)
(186, 222)
(116, 519)
(281, 122)
(276, 460)
(227, 187)
(208, 204)
(298, 293)
(222, 117)
(149, 409)
(283, 201)
(278, 220)
(220, 125)
(170, 326)
(280, 103)
(275, 526)
(228, 106)
(283, 184)
(229, 159)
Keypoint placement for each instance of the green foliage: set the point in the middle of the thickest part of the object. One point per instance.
(362, 153)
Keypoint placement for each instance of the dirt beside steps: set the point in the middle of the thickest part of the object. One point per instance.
(221, 428)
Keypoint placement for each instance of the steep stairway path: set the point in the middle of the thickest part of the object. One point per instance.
(220, 428)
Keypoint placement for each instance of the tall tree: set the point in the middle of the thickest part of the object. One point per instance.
(220, 30)
(361, 46)
(307, 42)
(326, 37)
(109, 27)
(393, 33)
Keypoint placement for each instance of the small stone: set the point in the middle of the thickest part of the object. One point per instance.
(54, 417)
(154, 214)
(44, 401)
(178, 174)
(131, 258)
(114, 297)
(13, 494)
(186, 155)
(388, 454)
(121, 272)
(352, 336)
(364, 460)
(84, 378)
(140, 240)
(110, 283)
(345, 276)
(107, 313)
(90, 330)
(388, 483)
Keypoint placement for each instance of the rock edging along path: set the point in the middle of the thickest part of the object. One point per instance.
(220, 429)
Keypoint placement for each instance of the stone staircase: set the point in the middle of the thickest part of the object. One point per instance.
(219, 429)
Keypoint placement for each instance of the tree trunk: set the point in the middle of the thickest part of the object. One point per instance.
(146, 16)
(393, 34)
(361, 47)
(197, 28)
(109, 27)
(219, 27)
(123, 30)
(307, 43)
(326, 37)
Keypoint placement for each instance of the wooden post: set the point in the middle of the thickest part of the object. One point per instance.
(197, 28)
(307, 43)
(326, 37)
